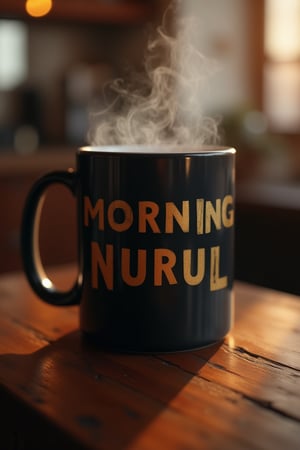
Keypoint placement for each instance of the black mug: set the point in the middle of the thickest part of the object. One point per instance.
(156, 236)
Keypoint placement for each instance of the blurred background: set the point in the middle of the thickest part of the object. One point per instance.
(56, 57)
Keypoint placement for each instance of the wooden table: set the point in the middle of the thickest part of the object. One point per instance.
(58, 393)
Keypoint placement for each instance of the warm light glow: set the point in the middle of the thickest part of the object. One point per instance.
(47, 283)
(282, 96)
(13, 51)
(282, 25)
(230, 340)
(38, 8)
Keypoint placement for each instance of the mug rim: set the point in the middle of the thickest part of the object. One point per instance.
(157, 150)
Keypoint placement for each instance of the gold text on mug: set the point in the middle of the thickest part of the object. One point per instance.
(220, 213)
(163, 261)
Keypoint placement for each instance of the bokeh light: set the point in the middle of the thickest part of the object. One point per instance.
(38, 8)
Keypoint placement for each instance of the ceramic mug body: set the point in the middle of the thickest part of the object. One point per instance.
(156, 235)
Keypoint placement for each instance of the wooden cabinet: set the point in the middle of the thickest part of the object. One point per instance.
(97, 11)
(267, 235)
(58, 232)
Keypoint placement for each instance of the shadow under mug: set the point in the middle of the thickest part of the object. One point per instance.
(156, 236)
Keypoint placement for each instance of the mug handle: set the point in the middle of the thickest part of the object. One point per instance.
(30, 251)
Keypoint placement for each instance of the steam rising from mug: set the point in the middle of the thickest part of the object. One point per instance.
(165, 106)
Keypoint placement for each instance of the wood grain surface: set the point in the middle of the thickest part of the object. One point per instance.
(57, 392)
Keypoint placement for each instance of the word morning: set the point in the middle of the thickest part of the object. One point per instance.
(197, 217)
